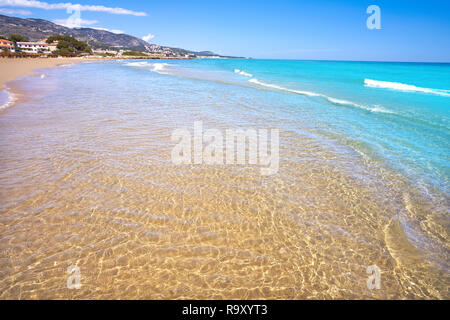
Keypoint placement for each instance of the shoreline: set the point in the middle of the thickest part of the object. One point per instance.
(12, 69)
(15, 68)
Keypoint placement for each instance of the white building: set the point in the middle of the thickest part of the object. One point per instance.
(101, 51)
(53, 46)
(9, 45)
(33, 47)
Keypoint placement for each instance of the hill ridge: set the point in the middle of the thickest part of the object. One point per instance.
(38, 29)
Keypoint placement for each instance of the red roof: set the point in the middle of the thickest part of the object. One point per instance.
(2, 41)
(33, 43)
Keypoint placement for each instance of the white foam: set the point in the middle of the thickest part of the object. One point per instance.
(339, 101)
(404, 87)
(349, 103)
(376, 109)
(137, 64)
(381, 110)
(273, 86)
(11, 100)
(243, 73)
(156, 67)
(160, 67)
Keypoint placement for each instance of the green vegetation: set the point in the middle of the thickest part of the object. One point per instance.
(17, 38)
(68, 46)
(134, 54)
(106, 54)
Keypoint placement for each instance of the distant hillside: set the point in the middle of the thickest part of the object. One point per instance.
(38, 29)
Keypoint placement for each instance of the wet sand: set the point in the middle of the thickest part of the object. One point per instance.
(14, 68)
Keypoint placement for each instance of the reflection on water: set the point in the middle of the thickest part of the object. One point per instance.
(86, 180)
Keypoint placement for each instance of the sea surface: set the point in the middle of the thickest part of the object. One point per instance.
(87, 180)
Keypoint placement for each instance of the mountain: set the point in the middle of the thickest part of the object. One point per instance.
(38, 29)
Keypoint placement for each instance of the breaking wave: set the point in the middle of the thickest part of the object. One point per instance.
(335, 101)
(243, 73)
(156, 67)
(404, 87)
(10, 100)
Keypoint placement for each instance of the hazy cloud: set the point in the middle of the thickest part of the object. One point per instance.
(74, 23)
(148, 37)
(64, 6)
(13, 11)
(110, 30)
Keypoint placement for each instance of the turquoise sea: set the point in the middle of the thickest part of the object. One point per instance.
(397, 113)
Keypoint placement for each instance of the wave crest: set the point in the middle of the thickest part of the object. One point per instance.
(156, 67)
(335, 101)
(12, 98)
(404, 87)
(243, 73)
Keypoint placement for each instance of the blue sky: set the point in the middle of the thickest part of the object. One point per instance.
(286, 29)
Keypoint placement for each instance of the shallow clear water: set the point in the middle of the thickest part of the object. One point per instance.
(408, 126)
(87, 179)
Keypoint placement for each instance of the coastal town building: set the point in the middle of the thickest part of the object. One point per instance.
(9, 45)
(33, 47)
(102, 51)
(53, 46)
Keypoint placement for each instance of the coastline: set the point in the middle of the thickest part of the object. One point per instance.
(15, 68)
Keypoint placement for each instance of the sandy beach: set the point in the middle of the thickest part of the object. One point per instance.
(14, 68)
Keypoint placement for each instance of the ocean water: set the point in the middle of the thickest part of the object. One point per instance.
(87, 179)
(398, 111)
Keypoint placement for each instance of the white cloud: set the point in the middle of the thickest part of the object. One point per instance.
(110, 30)
(148, 37)
(74, 22)
(13, 11)
(64, 6)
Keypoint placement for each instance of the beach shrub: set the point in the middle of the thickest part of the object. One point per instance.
(68, 45)
(17, 38)
(134, 54)
(64, 52)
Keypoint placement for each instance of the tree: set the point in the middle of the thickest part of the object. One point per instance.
(133, 54)
(17, 38)
(63, 52)
(63, 44)
(68, 45)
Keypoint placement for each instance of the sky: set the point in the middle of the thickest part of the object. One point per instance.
(280, 29)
